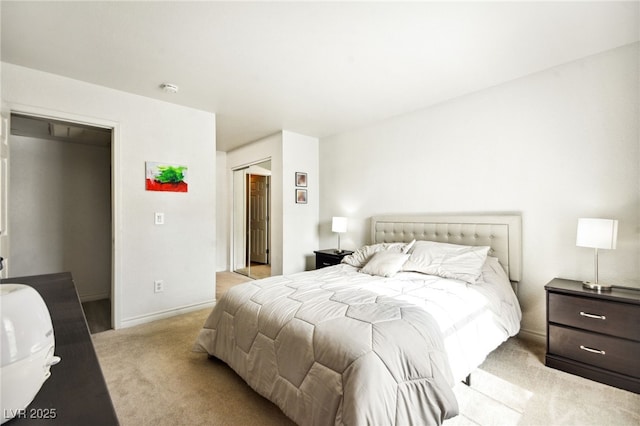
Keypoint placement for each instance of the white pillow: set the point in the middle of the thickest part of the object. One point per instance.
(493, 272)
(447, 260)
(385, 263)
(407, 247)
(360, 257)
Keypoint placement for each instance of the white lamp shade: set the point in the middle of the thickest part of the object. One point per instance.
(597, 233)
(339, 224)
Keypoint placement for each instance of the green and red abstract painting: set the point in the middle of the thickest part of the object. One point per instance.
(166, 177)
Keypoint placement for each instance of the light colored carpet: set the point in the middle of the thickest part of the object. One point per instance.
(256, 271)
(155, 379)
(489, 401)
(226, 280)
(559, 398)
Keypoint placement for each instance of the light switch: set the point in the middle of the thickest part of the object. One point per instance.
(159, 218)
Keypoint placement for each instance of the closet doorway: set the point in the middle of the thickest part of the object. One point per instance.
(60, 207)
(251, 220)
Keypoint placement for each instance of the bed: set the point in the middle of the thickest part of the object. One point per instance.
(383, 337)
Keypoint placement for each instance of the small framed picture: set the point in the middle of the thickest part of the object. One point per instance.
(301, 179)
(301, 196)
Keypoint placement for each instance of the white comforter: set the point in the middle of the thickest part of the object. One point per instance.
(335, 346)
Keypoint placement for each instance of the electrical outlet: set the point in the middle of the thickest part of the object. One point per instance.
(158, 286)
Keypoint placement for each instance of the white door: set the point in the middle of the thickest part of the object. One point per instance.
(4, 189)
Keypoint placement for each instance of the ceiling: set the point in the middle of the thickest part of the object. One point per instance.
(316, 68)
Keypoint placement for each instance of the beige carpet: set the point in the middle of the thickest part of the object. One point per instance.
(256, 271)
(226, 280)
(155, 379)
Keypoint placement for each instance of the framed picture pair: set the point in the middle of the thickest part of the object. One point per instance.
(301, 183)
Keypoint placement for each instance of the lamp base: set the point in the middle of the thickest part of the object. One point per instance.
(600, 288)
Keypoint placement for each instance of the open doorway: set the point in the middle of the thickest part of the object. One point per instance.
(251, 219)
(60, 207)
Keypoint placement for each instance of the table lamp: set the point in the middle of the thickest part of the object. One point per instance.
(597, 234)
(339, 225)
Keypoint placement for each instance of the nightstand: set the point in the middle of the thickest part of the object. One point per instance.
(594, 335)
(329, 257)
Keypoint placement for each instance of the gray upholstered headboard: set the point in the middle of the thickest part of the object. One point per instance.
(503, 233)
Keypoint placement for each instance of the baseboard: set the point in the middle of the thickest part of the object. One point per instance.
(143, 319)
(534, 336)
(94, 296)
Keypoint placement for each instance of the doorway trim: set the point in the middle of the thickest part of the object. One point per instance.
(116, 211)
(232, 239)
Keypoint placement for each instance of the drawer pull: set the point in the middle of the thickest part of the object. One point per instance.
(584, 314)
(593, 351)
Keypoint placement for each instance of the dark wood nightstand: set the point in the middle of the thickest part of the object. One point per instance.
(594, 335)
(329, 257)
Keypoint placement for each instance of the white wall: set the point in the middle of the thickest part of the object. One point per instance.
(300, 233)
(553, 146)
(4, 149)
(223, 222)
(5, 255)
(60, 209)
(183, 251)
(294, 234)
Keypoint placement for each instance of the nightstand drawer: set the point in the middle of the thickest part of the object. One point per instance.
(324, 260)
(329, 257)
(613, 318)
(606, 352)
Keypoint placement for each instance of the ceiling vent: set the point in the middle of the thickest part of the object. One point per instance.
(62, 131)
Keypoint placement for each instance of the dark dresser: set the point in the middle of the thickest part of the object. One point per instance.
(329, 257)
(594, 335)
(76, 393)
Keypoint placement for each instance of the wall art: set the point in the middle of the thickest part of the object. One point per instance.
(166, 177)
(301, 179)
(301, 196)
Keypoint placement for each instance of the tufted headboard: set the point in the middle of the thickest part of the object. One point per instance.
(503, 233)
